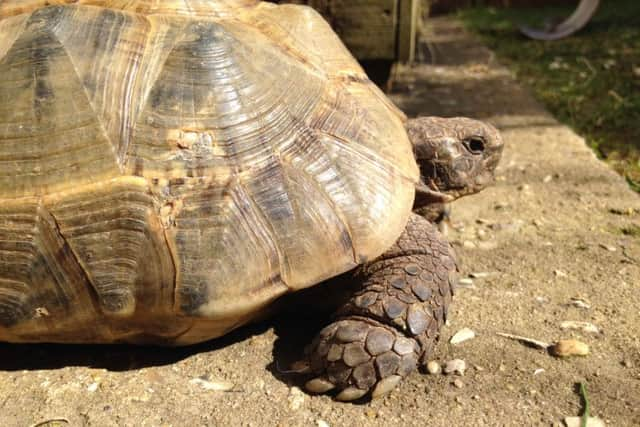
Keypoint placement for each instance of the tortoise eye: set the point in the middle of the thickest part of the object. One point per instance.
(474, 145)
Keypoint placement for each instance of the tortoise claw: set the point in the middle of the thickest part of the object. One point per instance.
(351, 393)
(300, 367)
(319, 385)
(385, 385)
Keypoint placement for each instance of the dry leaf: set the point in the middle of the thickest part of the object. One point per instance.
(536, 343)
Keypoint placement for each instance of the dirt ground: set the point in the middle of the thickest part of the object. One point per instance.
(557, 225)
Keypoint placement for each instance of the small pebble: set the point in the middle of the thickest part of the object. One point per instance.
(296, 398)
(434, 367)
(509, 227)
(482, 235)
(479, 275)
(92, 387)
(547, 179)
(607, 247)
(580, 303)
(577, 422)
(458, 383)
(462, 335)
(468, 244)
(538, 371)
(455, 366)
(560, 273)
(487, 246)
(322, 423)
(583, 326)
(212, 385)
(523, 187)
(41, 312)
(465, 283)
(568, 348)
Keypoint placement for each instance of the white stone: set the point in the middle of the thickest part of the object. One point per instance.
(462, 335)
(457, 366)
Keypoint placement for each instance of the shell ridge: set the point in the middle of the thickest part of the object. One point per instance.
(92, 289)
(171, 249)
(327, 198)
(217, 280)
(125, 125)
(115, 240)
(48, 99)
(49, 223)
(290, 52)
(92, 292)
(98, 119)
(365, 154)
(314, 182)
(268, 228)
(7, 40)
(145, 83)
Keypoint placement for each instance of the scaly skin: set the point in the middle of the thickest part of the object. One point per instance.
(457, 157)
(391, 324)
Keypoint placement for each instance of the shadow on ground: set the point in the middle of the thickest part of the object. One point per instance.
(293, 333)
(118, 357)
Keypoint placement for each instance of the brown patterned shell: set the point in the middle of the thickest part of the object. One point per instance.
(168, 168)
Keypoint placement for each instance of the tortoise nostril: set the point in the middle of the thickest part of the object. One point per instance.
(474, 145)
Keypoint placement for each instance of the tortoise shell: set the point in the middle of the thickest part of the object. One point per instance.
(169, 168)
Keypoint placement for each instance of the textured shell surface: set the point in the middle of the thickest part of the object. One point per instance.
(169, 168)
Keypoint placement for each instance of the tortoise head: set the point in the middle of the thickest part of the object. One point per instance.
(457, 157)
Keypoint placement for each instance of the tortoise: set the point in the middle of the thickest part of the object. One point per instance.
(170, 168)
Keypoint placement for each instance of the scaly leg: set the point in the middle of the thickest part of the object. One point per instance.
(391, 324)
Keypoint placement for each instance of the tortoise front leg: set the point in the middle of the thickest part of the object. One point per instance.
(392, 323)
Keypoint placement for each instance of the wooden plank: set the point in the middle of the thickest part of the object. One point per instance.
(408, 24)
(367, 27)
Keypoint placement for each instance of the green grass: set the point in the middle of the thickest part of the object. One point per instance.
(590, 81)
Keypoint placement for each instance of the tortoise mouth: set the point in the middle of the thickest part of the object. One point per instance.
(428, 193)
(452, 180)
